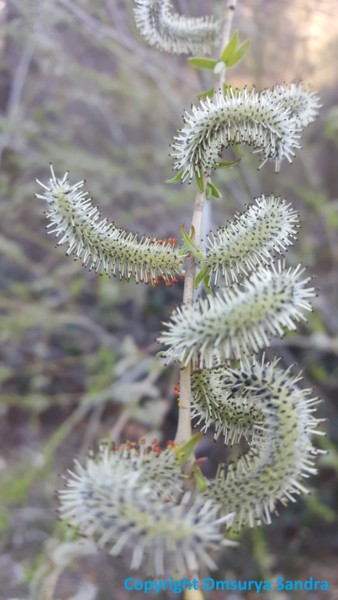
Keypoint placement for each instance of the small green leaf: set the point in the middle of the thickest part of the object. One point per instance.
(200, 277)
(230, 48)
(202, 63)
(206, 94)
(184, 452)
(201, 482)
(203, 276)
(189, 244)
(239, 54)
(176, 179)
(212, 190)
(206, 283)
(200, 182)
(208, 192)
(227, 165)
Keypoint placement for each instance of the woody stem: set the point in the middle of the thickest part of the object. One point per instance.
(183, 433)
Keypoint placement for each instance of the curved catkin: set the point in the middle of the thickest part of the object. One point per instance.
(122, 505)
(302, 103)
(252, 239)
(270, 122)
(161, 27)
(243, 117)
(215, 404)
(102, 245)
(156, 504)
(239, 320)
(280, 457)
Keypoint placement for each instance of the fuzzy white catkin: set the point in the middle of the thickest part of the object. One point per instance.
(270, 122)
(302, 103)
(132, 497)
(101, 244)
(161, 27)
(215, 405)
(250, 240)
(240, 320)
(264, 404)
(122, 505)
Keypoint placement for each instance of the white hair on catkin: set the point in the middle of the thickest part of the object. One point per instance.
(270, 122)
(302, 103)
(123, 501)
(250, 240)
(213, 404)
(156, 503)
(161, 27)
(240, 320)
(265, 405)
(101, 244)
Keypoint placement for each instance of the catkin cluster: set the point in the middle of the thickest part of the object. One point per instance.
(134, 497)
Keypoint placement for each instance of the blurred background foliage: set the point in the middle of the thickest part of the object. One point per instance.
(80, 89)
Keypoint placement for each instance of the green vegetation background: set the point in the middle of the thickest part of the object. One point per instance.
(80, 89)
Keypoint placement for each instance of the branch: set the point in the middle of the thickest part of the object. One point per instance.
(183, 433)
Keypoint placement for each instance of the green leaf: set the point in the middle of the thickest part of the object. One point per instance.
(206, 283)
(212, 190)
(176, 179)
(184, 452)
(200, 277)
(189, 244)
(239, 54)
(206, 94)
(201, 482)
(200, 182)
(208, 192)
(230, 48)
(204, 276)
(227, 165)
(202, 63)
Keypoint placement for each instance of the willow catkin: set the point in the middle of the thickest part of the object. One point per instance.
(101, 244)
(161, 27)
(265, 404)
(240, 320)
(253, 238)
(122, 501)
(268, 122)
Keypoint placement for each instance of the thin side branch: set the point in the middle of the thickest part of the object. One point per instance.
(183, 433)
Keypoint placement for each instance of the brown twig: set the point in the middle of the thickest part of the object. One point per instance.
(183, 433)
